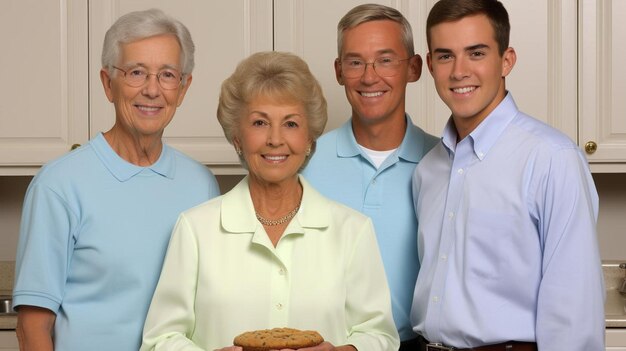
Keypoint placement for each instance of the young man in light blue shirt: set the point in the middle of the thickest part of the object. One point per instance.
(367, 163)
(506, 204)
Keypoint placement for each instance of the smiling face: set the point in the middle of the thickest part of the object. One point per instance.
(468, 70)
(376, 99)
(274, 139)
(148, 109)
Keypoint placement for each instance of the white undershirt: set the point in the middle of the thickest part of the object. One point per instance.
(378, 157)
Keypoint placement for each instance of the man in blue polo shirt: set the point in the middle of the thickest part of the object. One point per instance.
(368, 162)
(97, 221)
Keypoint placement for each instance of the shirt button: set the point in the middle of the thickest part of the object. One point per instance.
(444, 257)
(279, 306)
(435, 299)
(460, 171)
(281, 271)
(451, 215)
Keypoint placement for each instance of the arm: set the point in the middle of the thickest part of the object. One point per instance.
(34, 328)
(368, 302)
(570, 308)
(171, 318)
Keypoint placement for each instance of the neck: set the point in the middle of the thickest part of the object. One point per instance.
(134, 148)
(379, 136)
(274, 200)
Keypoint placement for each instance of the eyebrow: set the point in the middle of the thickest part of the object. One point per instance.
(468, 48)
(139, 64)
(379, 52)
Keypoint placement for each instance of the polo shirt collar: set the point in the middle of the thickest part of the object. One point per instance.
(411, 149)
(124, 170)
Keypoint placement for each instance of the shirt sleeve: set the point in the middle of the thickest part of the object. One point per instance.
(171, 318)
(368, 303)
(44, 249)
(570, 310)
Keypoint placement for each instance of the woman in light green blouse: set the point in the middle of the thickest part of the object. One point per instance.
(272, 252)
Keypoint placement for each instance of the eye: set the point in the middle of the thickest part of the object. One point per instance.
(385, 61)
(291, 124)
(259, 123)
(444, 57)
(353, 63)
(136, 72)
(477, 54)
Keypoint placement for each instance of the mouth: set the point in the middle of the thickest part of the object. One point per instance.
(464, 90)
(148, 109)
(275, 158)
(372, 94)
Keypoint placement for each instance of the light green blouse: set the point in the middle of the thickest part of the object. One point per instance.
(222, 276)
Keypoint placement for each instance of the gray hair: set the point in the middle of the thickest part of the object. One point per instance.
(375, 12)
(139, 25)
(276, 75)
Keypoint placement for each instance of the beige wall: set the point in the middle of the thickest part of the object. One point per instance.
(611, 222)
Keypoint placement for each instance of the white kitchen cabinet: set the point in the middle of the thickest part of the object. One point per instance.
(61, 101)
(602, 83)
(8, 341)
(615, 339)
(43, 90)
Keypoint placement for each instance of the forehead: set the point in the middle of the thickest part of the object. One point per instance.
(468, 31)
(160, 50)
(373, 37)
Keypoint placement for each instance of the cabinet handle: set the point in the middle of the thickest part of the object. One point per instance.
(591, 147)
(75, 146)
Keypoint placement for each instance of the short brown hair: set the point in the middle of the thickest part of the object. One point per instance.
(455, 10)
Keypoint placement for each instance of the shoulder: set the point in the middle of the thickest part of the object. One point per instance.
(67, 167)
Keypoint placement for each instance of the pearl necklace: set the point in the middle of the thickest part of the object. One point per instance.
(281, 220)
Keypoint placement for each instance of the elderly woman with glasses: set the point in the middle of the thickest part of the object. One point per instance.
(97, 221)
(272, 252)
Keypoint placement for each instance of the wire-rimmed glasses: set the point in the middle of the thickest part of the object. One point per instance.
(168, 78)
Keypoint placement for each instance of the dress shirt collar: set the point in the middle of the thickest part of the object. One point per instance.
(487, 132)
(411, 149)
(124, 170)
(237, 211)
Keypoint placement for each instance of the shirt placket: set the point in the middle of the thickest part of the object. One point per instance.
(460, 160)
(280, 283)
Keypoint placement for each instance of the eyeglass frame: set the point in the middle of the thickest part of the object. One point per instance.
(373, 63)
(148, 74)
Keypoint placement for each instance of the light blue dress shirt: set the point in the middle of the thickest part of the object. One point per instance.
(94, 233)
(507, 238)
(340, 170)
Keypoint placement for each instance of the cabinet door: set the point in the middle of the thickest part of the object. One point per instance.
(43, 91)
(602, 83)
(543, 81)
(224, 33)
(8, 341)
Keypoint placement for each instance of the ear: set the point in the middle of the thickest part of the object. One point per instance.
(509, 57)
(183, 91)
(338, 71)
(429, 63)
(415, 68)
(106, 83)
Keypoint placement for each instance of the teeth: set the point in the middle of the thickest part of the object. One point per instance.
(464, 90)
(378, 93)
(148, 108)
(275, 158)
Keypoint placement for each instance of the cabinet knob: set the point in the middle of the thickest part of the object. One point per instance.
(75, 146)
(591, 147)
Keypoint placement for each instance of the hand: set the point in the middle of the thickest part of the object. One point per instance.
(325, 346)
(230, 348)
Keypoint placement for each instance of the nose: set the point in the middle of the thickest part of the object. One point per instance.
(274, 137)
(151, 88)
(460, 69)
(369, 74)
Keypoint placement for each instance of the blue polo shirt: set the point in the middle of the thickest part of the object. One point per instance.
(93, 236)
(340, 170)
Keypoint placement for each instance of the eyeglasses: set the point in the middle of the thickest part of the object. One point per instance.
(168, 79)
(383, 66)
